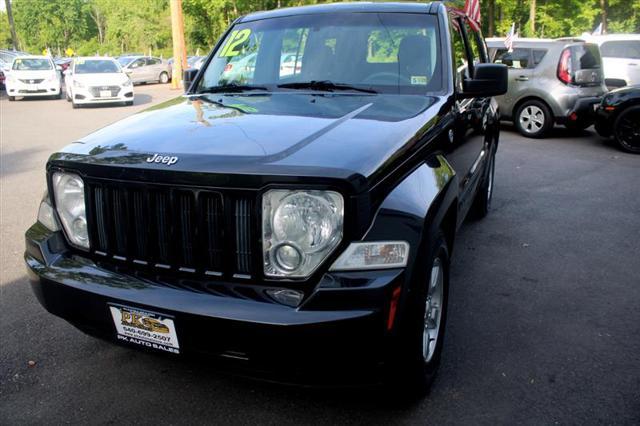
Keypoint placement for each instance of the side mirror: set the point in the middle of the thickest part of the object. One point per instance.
(187, 78)
(488, 80)
(614, 83)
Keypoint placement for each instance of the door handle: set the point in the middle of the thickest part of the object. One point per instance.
(522, 78)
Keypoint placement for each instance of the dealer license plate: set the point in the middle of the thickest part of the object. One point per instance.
(105, 93)
(144, 328)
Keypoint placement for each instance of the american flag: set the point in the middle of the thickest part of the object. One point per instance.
(511, 36)
(472, 10)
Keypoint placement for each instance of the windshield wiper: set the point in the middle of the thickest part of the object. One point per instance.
(325, 85)
(231, 88)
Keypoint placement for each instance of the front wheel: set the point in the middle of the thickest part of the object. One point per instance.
(164, 77)
(533, 119)
(12, 98)
(413, 364)
(626, 129)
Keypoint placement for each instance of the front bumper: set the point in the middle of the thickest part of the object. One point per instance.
(337, 329)
(45, 88)
(86, 96)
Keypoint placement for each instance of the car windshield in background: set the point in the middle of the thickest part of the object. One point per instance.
(621, 49)
(22, 64)
(97, 66)
(125, 60)
(380, 52)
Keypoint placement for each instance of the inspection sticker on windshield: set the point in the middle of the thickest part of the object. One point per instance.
(145, 328)
(418, 79)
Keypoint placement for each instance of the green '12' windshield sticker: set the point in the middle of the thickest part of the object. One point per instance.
(236, 39)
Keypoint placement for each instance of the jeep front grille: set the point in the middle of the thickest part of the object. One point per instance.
(167, 229)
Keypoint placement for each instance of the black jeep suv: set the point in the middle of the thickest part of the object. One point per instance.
(294, 211)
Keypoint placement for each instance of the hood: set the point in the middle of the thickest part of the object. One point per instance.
(102, 79)
(32, 74)
(340, 136)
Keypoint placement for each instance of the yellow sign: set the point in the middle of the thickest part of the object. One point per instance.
(236, 39)
(69, 51)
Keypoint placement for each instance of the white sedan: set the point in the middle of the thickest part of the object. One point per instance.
(97, 80)
(32, 76)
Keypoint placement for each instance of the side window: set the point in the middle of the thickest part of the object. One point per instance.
(538, 54)
(153, 61)
(518, 59)
(138, 63)
(460, 59)
(478, 49)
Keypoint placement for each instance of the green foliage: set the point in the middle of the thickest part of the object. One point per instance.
(116, 26)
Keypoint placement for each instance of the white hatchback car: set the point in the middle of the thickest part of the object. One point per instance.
(32, 76)
(97, 80)
(620, 56)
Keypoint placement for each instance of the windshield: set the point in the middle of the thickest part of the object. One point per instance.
(381, 52)
(32, 64)
(96, 66)
(125, 60)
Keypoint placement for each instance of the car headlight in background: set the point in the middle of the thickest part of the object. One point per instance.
(77, 84)
(68, 190)
(299, 230)
(373, 255)
(46, 215)
(127, 82)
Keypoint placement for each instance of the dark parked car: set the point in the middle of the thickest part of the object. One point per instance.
(301, 222)
(618, 115)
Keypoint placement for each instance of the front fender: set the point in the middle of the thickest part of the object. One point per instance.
(415, 209)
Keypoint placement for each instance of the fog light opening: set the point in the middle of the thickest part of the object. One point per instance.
(286, 296)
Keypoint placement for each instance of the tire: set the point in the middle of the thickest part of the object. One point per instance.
(164, 77)
(67, 96)
(482, 201)
(533, 119)
(411, 368)
(12, 98)
(626, 129)
(74, 105)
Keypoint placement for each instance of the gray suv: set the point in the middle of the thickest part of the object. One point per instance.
(550, 81)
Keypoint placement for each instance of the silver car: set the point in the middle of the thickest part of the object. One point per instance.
(145, 69)
(550, 81)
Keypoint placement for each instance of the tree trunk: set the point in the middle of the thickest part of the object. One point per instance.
(604, 11)
(532, 18)
(14, 38)
(491, 18)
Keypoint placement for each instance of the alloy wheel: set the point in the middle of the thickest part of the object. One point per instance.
(531, 119)
(433, 310)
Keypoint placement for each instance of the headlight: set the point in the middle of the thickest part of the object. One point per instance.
(46, 215)
(127, 82)
(68, 190)
(299, 230)
(77, 84)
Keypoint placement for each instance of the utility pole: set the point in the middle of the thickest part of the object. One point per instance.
(532, 18)
(179, 50)
(14, 38)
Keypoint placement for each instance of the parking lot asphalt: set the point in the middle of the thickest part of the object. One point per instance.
(544, 320)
